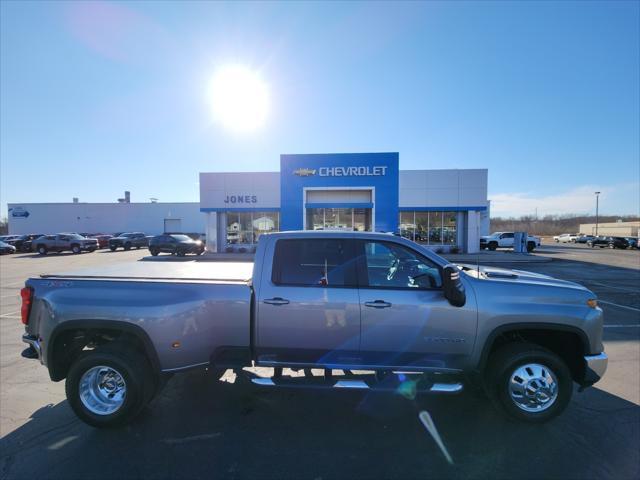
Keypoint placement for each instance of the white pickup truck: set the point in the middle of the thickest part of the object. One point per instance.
(505, 240)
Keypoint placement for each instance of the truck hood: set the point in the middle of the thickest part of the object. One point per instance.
(517, 276)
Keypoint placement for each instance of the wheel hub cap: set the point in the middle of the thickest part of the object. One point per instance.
(533, 387)
(102, 390)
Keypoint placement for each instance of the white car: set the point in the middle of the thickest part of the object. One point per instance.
(566, 238)
(505, 240)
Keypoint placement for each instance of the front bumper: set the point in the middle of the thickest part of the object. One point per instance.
(594, 368)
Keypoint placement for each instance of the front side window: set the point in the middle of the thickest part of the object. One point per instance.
(389, 265)
(315, 262)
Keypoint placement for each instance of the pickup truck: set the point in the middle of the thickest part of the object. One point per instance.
(64, 241)
(505, 240)
(361, 310)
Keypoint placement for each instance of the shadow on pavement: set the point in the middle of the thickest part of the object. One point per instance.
(200, 428)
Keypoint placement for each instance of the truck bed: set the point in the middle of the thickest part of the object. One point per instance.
(160, 271)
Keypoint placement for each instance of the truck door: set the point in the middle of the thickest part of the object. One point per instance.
(406, 321)
(307, 308)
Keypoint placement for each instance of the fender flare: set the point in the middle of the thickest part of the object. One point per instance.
(117, 325)
(502, 329)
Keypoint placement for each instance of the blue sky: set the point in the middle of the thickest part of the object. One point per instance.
(99, 97)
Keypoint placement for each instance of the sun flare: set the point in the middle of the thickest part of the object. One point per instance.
(239, 98)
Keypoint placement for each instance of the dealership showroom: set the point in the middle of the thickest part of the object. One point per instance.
(441, 209)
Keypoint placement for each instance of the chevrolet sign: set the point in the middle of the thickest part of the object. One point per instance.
(343, 171)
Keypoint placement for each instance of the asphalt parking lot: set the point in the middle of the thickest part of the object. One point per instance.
(201, 428)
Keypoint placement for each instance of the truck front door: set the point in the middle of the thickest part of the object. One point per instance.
(406, 320)
(308, 310)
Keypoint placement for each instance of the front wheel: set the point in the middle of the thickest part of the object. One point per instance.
(42, 250)
(531, 246)
(76, 249)
(493, 246)
(528, 382)
(109, 386)
(113, 249)
(127, 246)
(612, 246)
(154, 251)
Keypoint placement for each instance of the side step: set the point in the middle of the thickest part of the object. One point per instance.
(422, 386)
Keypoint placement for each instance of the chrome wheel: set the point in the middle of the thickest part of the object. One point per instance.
(102, 390)
(533, 387)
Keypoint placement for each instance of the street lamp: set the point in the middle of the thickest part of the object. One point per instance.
(597, 202)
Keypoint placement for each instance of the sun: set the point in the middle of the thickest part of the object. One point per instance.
(239, 98)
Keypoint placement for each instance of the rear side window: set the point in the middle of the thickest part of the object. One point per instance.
(314, 263)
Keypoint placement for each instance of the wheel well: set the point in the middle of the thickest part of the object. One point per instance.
(566, 344)
(68, 344)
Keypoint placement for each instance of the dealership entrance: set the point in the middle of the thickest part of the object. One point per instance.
(352, 219)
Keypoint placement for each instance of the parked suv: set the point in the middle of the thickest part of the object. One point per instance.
(64, 241)
(128, 241)
(23, 242)
(177, 244)
(611, 242)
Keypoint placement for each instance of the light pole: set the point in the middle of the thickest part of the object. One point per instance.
(597, 202)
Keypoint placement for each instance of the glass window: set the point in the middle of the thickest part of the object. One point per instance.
(422, 227)
(245, 234)
(233, 228)
(435, 228)
(362, 219)
(449, 231)
(313, 263)
(390, 265)
(264, 222)
(407, 225)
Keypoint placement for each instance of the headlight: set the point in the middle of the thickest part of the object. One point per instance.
(592, 302)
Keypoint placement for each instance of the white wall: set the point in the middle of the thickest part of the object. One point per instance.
(103, 217)
(443, 188)
(217, 190)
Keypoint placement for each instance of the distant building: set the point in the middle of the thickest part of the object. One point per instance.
(614, 229)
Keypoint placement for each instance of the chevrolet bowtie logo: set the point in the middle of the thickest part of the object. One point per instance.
(304, 172)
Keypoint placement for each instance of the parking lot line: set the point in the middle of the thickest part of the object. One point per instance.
(11, 314)
(615, 288)
(637, 325)
(619, 306)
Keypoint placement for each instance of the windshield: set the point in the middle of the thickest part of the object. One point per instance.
(181, 238)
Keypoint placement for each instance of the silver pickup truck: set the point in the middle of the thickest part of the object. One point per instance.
(351, 310)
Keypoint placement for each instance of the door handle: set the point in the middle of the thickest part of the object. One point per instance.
(377, 304)
(276, 301)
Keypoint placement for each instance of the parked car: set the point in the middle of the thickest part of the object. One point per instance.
(5, 248)
(103, 240)
(584, 238)
(64, 241)
(611, 242)
(505, 240)
(128, 241)
(322, 300)
(566, 238)
(176, 244)
(23, 242)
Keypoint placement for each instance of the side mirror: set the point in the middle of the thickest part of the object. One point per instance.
(453, 287)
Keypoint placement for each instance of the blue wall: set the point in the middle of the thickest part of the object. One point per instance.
(386, 186)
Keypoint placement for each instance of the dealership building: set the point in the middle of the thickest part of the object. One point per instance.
(441, 209)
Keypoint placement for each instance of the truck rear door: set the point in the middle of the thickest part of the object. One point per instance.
(308, 309)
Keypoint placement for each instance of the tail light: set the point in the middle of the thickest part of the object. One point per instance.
(27, 295)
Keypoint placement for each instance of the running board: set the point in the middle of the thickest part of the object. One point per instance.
(352, 384)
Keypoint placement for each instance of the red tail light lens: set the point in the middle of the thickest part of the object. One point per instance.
(27, 294)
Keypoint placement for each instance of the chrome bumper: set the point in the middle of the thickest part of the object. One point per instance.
(595, 367)
(33, 343)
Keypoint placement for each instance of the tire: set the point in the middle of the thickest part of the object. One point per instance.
(42, 250)
(154, 251)
(510, 361)
(531, 246)
(130, 366)
(493, 246)
(113, 249)
(612, 246)
(76, 249)
(127, 246)
(180, 253)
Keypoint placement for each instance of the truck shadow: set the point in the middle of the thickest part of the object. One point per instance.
(201, 428)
